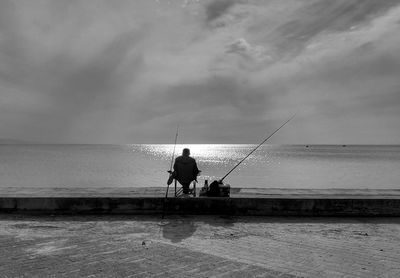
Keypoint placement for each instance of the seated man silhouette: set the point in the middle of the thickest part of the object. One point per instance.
(185, 170)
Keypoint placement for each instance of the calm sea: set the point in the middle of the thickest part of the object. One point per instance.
(271, 166)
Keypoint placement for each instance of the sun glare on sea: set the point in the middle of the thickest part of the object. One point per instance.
(203, 152)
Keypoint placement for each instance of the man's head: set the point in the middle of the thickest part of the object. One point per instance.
(186, 152)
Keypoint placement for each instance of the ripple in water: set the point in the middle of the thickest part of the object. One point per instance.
(146, 165)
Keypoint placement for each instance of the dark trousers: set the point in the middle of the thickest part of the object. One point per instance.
(185, 187)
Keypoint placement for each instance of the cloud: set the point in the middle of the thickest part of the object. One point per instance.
(126, 71)
(253, 53)
(290, 35)
(216, 8)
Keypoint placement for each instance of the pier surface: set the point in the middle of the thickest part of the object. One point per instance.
(198, 246)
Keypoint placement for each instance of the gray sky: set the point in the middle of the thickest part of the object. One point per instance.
(125, 71)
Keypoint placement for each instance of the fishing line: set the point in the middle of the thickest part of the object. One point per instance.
(265, 140)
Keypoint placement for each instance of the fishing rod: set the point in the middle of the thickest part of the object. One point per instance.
(170, 179)
(265, 140)
(172, 161)
(173, 153)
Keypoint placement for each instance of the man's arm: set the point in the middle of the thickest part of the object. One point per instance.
(175, 166)
(196, 170)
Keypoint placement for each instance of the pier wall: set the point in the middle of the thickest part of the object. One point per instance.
(217, 206)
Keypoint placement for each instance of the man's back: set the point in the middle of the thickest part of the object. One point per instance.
(185, 168)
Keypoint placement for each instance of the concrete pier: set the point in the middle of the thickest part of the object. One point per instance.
(96, 242)
(243, 201)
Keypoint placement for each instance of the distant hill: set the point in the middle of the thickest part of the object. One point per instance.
(14, 141)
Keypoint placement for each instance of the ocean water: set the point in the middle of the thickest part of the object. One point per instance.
(271, 166)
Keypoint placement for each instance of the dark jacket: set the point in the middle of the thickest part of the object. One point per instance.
(185, 169)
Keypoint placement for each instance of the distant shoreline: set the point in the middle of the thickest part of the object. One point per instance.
(21, 142)
(15, 142)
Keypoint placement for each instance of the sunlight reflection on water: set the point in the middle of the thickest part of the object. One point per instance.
(212, 159)
(204, 152)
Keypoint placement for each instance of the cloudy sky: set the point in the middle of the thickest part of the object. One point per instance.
(126, 71)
